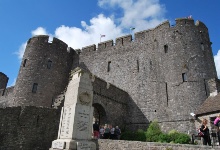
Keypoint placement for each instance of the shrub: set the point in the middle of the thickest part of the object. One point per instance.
(180, 138)
(153, 132)
(164, 138)
(127, 135)
(138, 135)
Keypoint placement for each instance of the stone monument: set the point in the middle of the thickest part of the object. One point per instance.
(75, 129)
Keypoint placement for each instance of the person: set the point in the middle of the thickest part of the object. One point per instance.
(217, 124)
(101, 132)
(217, 121)
(204, 128)
(106, 132)
(96, 130)
(112, 132)
(117, 133)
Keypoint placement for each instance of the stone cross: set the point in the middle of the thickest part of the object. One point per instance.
(76, 119)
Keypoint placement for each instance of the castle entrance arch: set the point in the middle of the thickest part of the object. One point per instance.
(99, 113)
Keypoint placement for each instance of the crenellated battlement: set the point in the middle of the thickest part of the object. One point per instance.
(3, 80)
(89, 48)
(123, 40)
(43, 39)
(146, 34)
(105, 44)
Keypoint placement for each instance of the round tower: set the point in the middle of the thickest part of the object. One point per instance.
(44, 72)
(186, 63)
(3, 80)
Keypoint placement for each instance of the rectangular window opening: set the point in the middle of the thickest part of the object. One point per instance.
(167, 94)
(109, 66)
(34, 88)
(137, 65)
(165, 48)
(24, 63)
(202, 46)
(3, 92)
(49, 64)
(184, 77)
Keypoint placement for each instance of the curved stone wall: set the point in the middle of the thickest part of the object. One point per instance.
(44, 72)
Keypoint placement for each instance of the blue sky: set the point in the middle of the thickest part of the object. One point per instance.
(80, 23)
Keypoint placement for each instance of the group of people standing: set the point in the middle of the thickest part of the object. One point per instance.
(205, 130)
(106, 131)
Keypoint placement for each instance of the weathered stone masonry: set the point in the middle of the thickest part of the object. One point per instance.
(164, 70)
(163, 75)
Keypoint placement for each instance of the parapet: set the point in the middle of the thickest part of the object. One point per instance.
(105, 44)
(123, 40)
(88, 49)
(201, 25)
(144, 35)
(3, 80)
(45, 39)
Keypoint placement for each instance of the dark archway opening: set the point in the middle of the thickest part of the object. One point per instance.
(99, 114)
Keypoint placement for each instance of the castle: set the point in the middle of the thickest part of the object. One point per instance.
(161, 75)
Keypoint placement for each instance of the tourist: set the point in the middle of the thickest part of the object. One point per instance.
(117, 133)
(204, 128)
(112, 133)
(96, 130)
(101, 132)
(217, 121)
(106, 132)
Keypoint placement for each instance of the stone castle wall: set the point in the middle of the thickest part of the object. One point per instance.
(110, 103)
(164, 70)
(136, 145)
(28, 128)
(6, 96)
(44, 72)
(3, 80)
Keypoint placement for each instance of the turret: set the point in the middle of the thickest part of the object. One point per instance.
(44, 72)
(3, 80)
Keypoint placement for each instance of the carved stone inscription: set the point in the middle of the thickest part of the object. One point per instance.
(85, 146)
(66, 126)
(83, 120)
(58, 144)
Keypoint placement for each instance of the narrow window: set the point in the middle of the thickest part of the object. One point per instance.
(52, 103)
(34, 88)
(184, 77)
(137, 65)
(38, 117)
(49, 64)
(165, 48)
(167, 93)
(202, 46)
(109, 66)
(3, 92)
(122, 41)
(205, 88)
(24, 63)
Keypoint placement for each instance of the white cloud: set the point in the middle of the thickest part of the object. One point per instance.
(39, 31)
(217, 63)
(141, 14)
(90, 34)
(21, 50)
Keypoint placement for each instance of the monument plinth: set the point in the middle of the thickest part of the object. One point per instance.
(75, 129)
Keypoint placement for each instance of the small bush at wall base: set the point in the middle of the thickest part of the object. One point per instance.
(133, 136)
(153, 132)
